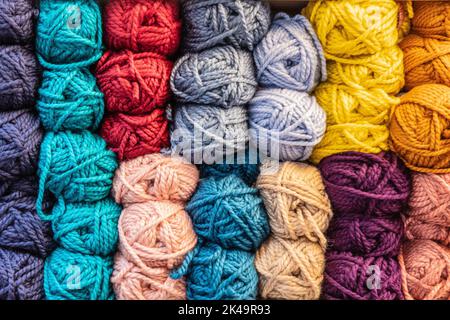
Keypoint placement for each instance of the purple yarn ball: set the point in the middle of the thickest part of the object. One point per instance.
(20, 139)
(21, 276)
(17, 19)
(19, 78)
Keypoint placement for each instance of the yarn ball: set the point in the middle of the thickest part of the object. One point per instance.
(295, 199)
(366, 236)
(17, 21)
(240, 23)
(221, 76)
(19, 78)
(352, 277)
(131, 282)
(419, 129)
(285, 124)
(134, 83)
(432, 19)
(75, 276)
(290, 56)
(87, 227)
(290, 270)
(69, 34)
(75, 166)
(70, 100)
(425, 265)
(205, 134)
(131, 136)
(405, 15)
(143, 26)
(426, 61)
(363, 183)
(21, 276)
(229, 213)
(20, 138)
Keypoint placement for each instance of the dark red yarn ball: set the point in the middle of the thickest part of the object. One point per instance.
(131, 136)
(134, 83)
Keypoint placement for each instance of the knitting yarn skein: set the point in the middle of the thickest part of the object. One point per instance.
(17, 21)
(432, 19)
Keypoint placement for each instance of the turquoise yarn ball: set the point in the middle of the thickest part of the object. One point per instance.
(70, 100)
(87, 227)
(75, 276)
(69, 33)
(228, 212)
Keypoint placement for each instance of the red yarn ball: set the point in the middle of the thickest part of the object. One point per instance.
(132, 136)
(143, 25)
(134, 83)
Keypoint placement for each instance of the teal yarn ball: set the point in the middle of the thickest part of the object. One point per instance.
(75, 276)
(69, 33)
(87, 227)
(70, 100)
(227, 212)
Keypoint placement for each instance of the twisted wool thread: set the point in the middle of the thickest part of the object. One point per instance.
(70, 100)
(419, 129)
(20, 137)
(19, 78)
(346, 278)
(143, 26)
(221, 76)
(285, 124)
(405, 15)
(425, 269)
(369, 184)
(240, 23)
(290, 56)
(21, 276)
(131, 136)
(426, 61)
(134, 83)
(69, 34)
(432, 19)
(94, 273)
(17, 21)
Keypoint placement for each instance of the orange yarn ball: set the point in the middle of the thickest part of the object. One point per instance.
(432, 19)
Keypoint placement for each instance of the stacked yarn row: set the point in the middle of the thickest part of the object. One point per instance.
(74, 166)
(25, 240)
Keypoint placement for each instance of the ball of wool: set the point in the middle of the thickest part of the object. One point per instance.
(295, 199)
(70, 100)
(131, 136)
(352, 277)
(134, 83)
(426, 60)
(369, 184)
(290, 270)
(405, 15)
(86, 227)
(75, 276)
(204, 134)
(290, 56)
(131, 282)
(17, 21)
(143, 26)
(419, 129)
(21, 276)
(351, 28)
(432, 19)
(366, 236)
(19, 78)
(285, 124)
(75, 166)
(425, 268)
(20, 138)
(156, 234)
(240, 23)
(228, 212)
(221, 76)
(69, 33)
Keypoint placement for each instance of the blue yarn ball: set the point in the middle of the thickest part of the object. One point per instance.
(290, 56)
(287, 124)
(70, 100)
(228, 212)
(69, 33)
